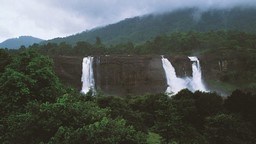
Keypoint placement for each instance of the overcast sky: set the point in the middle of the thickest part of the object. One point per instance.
(48, 19)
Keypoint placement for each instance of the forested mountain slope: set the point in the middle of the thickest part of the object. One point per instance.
(140, 29)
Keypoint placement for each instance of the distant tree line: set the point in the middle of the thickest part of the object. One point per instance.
(177, 42)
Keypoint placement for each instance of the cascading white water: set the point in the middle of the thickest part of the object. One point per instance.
(87, 75)
(174, 83)
(197, 83)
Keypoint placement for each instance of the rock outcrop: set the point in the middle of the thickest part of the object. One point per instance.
(69, 70)
(124, 75)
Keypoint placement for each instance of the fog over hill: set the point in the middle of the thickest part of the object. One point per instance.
(49, 19)
(141, 29)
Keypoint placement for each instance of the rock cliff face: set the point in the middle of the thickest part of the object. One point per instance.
(216, 65)
(69, 70)
(135, 75)
(122, 75)
(182, 65)
(119, 75)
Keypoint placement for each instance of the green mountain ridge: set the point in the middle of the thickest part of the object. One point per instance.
(141, 29)
(15, 43)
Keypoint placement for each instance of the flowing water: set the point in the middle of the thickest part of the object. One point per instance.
(87, 75)
(197, 82)
(175, 84)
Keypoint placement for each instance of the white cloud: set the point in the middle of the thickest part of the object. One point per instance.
(57, 18)
(32, 17)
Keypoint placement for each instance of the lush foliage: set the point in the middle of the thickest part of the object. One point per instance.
(36, 108)
(5, 59)
(28, 77)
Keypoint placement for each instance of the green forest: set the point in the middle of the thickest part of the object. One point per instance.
(37, 108)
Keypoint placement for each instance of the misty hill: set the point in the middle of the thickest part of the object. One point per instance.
(15, 43)
(140, 29)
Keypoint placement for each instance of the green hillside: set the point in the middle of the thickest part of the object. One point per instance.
(15, 43)
(140, 29)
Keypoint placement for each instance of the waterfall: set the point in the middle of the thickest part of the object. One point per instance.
(87, 75)
(174, 83)
(197, 83)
